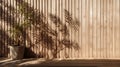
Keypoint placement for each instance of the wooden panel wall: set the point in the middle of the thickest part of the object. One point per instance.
(91, 28)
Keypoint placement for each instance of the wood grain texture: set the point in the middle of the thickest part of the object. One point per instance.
(93, 26)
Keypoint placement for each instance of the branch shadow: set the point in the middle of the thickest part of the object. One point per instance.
(8, 16)
(40, 33)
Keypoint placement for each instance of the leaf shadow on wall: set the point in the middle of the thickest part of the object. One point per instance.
(40, 33)
(9, 17)
(5, 40)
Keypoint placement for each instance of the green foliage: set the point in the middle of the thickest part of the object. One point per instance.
(19, 29)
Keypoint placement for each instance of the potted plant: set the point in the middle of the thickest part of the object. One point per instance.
(16, 48)
(18, 32)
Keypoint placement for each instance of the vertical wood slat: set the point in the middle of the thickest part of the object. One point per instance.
(90, 29)
(113, 28)
(4, 29)
(1, 28)
(1, 32)
(108, 28)
(111, 23)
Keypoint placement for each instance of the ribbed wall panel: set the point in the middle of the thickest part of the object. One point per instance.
(84, 29)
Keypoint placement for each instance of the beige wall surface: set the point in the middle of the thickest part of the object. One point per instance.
(91, 28)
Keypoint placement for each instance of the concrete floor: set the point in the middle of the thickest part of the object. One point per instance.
(58, 63)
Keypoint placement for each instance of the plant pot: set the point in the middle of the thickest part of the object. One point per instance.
(16, 52)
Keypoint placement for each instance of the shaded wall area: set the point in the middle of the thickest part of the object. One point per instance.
(39, 37)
